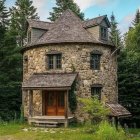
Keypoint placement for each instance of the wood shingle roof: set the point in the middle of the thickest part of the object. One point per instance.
(68, 28)
(95, 21)
(39, 24)
(46, 80)
(118, 110)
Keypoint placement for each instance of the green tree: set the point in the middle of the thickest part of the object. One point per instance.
(3, 24)
(62, 5)
(129, 74)
(10, 78)
(3, 14)
(22, 11)
(137, 18)
(115, 35)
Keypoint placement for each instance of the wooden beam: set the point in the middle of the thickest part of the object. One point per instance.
(47, 89)
(30, 103)
(66, 108)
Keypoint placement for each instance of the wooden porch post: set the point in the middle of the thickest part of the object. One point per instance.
(66, 108)
(30, 103)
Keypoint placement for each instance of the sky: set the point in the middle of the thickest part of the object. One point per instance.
(124, 10)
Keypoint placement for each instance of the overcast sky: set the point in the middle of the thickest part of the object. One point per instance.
(124, 10)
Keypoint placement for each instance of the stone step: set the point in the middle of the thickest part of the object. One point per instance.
(46, 125)
(44, 122)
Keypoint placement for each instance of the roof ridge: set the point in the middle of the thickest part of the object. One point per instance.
(40, 21)
(95, 18)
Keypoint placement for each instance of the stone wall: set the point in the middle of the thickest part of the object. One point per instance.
(77, 56)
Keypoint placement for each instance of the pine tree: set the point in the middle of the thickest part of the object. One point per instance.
(115, 35)
(22, 11)
(129, 74)
(10, 68)
(137, 18)
(3, 14)
(3, 24)
(62, 5)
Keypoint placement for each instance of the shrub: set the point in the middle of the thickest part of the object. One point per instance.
(108, 132)
(95, 109)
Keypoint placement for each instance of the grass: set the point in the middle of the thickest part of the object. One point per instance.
(14, 131)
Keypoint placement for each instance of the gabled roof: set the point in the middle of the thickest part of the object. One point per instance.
(39, 24)
(46, 80)
(96, 21)
(118, 110)
(67, 28)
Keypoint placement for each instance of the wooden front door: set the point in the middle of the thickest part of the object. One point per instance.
(54, 103)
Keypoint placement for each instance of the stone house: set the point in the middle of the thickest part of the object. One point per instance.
(63, 61)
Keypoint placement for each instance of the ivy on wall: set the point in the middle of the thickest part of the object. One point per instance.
(72, 98)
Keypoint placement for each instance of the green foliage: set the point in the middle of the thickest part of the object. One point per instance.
(62, 5)
(22, 11)
(3, 14)
(129, 74)
(137, 18)
(115, 35)
(95, 109)
(10, 73)
(22, 114)
(72, 98)
(108, 132)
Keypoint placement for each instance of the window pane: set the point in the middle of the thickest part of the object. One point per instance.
(29, 37)
(50, 61)
(58, 61)
(54, 61)
(95, 61)
(96, 92)
(103, 33)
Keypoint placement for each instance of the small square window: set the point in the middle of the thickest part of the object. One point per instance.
(96, 92)
(54, 61)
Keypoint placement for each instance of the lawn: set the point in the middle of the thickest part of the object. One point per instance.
(24, 132)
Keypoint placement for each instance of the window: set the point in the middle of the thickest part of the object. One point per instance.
(54, 61)
(95, 60)
(104, 33)
(25, 64)
(29, 36)
(96, 91)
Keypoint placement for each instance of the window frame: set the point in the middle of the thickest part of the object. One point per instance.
(95, 60)
(29, 36)
(25, 59)
(96, 91)
(56, 61)
(103, 33)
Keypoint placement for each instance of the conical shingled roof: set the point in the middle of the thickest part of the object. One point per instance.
(67, 28)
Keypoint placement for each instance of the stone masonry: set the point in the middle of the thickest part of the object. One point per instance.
(77, 56)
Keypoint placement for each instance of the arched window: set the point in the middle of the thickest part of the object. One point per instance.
(95, 57)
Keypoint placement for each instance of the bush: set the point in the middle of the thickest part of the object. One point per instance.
(108, 132)
(96, 111)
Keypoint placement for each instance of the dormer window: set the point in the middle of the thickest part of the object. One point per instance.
(54, 60)
(104, 33)
(29, 36)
